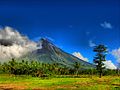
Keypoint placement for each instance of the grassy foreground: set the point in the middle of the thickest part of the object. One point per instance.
(11, 82)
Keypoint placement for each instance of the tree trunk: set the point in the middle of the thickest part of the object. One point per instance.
(100, 75)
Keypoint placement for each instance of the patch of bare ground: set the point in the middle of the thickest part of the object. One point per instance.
(69, 87)
(66, 87)
(104, 81)
(43, 89)
(85, 83)
(12, 87)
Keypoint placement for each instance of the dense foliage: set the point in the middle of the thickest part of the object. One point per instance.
(38, 69)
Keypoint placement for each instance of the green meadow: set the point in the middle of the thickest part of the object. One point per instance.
(18, 82)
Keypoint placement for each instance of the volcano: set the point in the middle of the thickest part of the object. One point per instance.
(47, 52)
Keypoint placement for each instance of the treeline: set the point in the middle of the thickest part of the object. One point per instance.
(38, 69)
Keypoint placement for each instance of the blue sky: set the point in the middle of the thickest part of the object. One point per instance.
(71, 24)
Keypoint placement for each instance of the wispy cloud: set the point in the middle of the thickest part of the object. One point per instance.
(91, 43)
(79, 55)
(116, 54)
(106, 25)
(39, 37)
(109, 65)
(70, 26)
(50, 38)
(87, 33)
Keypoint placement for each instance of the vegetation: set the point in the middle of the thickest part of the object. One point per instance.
(16, 74)
(99, 58)
(76, 67)
(15, 82)
(37, 69)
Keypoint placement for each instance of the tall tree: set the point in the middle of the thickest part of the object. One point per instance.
(100, 56)
(118, 69)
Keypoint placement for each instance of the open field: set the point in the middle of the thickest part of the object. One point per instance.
(11, 82)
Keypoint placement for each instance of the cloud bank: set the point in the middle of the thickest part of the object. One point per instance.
(13, 44)
(109, 65)
(116, 54)
(79, 55)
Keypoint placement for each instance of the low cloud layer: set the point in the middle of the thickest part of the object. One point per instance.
(79, 55)
(106, 25)
(116, 54)
(109, 65)
(13, 44)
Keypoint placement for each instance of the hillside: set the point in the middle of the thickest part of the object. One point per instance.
(49, 53)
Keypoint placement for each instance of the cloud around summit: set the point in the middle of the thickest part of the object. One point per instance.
(13, 44)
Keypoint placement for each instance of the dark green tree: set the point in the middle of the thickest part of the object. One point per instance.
(118, 69)
(12, 66)
(76, 67)
(101, 52)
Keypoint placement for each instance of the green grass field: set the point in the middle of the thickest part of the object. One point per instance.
(11, 82)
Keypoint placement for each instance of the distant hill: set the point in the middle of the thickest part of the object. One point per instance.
(49, 53)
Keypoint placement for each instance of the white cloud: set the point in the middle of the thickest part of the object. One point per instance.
(106, 25)
(78, 54)
(91, 43)
(116, 54)
(109, 65)
(13, 44)
(50, 38)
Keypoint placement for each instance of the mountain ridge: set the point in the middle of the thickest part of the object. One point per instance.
(49, 53)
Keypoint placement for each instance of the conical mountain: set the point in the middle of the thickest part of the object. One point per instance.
(49, 53)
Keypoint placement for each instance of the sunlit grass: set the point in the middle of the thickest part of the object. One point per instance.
(94, 83)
